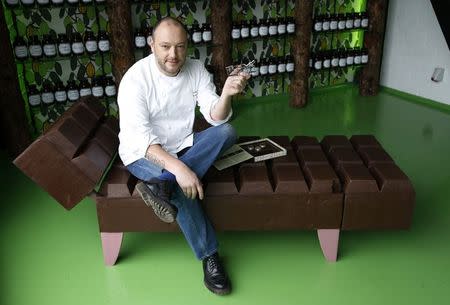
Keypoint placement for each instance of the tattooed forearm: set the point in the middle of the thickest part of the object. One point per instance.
(155, 160)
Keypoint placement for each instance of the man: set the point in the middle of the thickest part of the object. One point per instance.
(157, 99)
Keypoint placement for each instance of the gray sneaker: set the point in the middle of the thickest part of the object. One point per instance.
(156, 194)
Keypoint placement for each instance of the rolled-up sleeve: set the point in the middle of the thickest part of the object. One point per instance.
(207, 97)
(136, 132)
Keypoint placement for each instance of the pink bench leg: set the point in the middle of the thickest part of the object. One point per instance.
(329, 242)
(111, 246)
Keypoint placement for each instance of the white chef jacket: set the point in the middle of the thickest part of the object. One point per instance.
(158, 109)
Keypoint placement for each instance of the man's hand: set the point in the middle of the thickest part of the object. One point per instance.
(189, 183)
(235, 84)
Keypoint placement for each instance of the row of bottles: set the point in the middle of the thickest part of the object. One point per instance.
(341, 22)
(338, 58)
(50, 46)
(58, 92)
(271, 65)
(16, 3)
(201, 34)
(263, 28)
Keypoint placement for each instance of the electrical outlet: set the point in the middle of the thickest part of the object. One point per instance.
(438, 75)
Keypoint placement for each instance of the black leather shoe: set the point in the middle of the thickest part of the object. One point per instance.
(156, 194)
(215, 277)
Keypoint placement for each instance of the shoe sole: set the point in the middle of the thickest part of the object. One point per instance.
(218, 291)
(154, 202)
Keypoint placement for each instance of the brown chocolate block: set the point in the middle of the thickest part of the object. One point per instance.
(390, 178)
(107, 139)
(281, 140)
(288, 179)
(118, 183)
(321, 178)
(289, 158)
(92, 161)
(359, 141)
(374, 155)
(113, 124)
(254, 179)
(356, 178)
(220, 182)
(343, 155)
(94, 106)
(67, 136)
(308, 156)
(86, 119)
(336, 141)
(304, 142)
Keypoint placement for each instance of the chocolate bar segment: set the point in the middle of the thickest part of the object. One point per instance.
(220, 182)
(390, 178)
(289, 158)
(343, 155)
(282, 141)
(356, 178)
(68, 137)
(304, 142)
(308, 156)
(254, 179)
(359, 141)
(119, 182)
(288, 179)
(92, 161)
(374, 155)
(321, 178)
(107, 139)
(335, 141)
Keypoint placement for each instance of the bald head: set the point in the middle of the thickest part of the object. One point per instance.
(168, 25)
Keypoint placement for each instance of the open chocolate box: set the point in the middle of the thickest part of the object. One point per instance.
(335, 184)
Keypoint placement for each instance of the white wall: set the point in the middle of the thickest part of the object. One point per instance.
(414, 45)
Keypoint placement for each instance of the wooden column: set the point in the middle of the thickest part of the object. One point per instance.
(301, 51)
(369, 83)
(221, 29)
(13, 122)
(122, 56)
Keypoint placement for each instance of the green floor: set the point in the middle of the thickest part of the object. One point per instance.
(51, 256)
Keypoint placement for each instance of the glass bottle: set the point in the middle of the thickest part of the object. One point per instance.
(281, 67)
(86, 1)
(64, 46)
(236, 31)
(85, 88)
(350, 57)
(254, 29)
(281, 29)
(57, 2)
(272, 68)
(263, 28)
(263, 67)
(341, 22)
(27, 2)
(139, 39)
(47, 95)
(73, 92)
(97, 86)
(12, 3)
(364, 20)
(20, 48)
(364, 56)
(255, 70)
(326, 23)
(77, 44)
(334, 59)
(245, 29)
(34, 96)
(357, 57)
(273, 27)
(43, 2)
(35, 47)
(326, 60)
(334, 22)
(290, 63)
(206, 32)
(49, 46)
(103, 41)
(90, 42)
(349, 20)
(357, 21)
(318, 23)
(317, 61)
(60, 92)
(72, 2)
(110, 87)
(290, 25)
(342, 58)
(196, 33)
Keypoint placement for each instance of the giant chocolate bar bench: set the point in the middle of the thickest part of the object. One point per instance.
(337, 184)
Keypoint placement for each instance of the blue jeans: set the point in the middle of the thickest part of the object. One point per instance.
(194, 224)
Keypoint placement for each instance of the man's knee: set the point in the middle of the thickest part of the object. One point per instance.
(227, 132)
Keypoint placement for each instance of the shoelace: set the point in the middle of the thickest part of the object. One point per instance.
(212, 264)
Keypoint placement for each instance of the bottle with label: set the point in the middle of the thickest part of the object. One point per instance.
(47, 95)
(281, 67)
(334, 59)
(349, 21)
(341, 22)
(317, 61)
(196, 33)
(12, 3)
(103, 41)
(236, 32)
(317, 23)
(77, 44)
(342, 58)
(86, 1)
(350, 57)
(139, 39)
(245, 29)
(20, 48)
(35, 47)
(326, 23)
(272, 68)
(91, 42)
(263, 67)
(97, 86)
(43, 2)
(34, 96)
(206, 32)
(334, 22)
(357, 21)
(60, 92)
(281, 26)
(110, 87)
(263, 30)
(273, 27)
(364, 20)
(326, 60)
(254, 28)
(64, 46)
(73, 2)
(73, 92)
(27, 2)
(85, 88)
(49, 46)
(255, 70)
(290, 28)
(357, 57)
(100, 1)
(57, 2)
(364, 56)
(289, 63)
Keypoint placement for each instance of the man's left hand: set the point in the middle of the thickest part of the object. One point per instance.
(235, 84)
